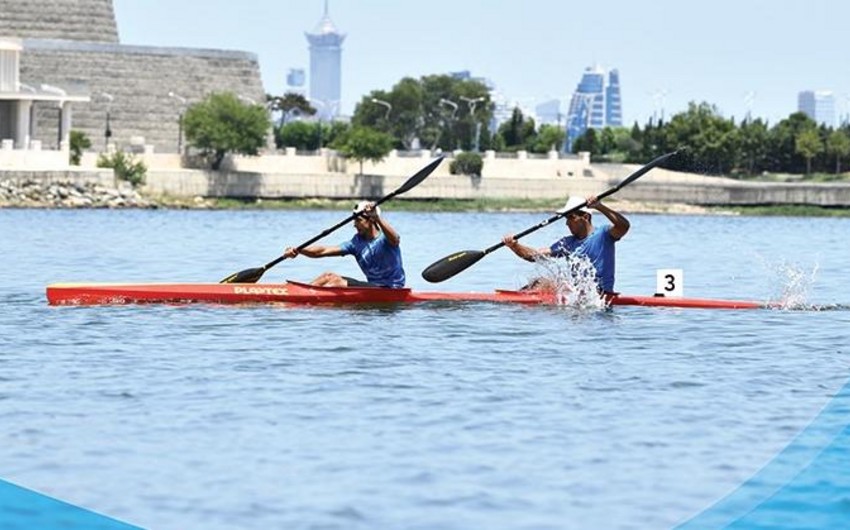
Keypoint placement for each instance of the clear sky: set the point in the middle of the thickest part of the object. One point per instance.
(741, 54)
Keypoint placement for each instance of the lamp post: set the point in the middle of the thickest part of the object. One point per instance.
(453, 105)
(472, 102)
(182, 102)
(107, 131)
(386, 104)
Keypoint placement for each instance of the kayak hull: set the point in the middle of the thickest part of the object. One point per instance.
(297, 293)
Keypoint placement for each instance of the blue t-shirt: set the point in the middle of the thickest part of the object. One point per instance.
(378, 259)
(599, 249)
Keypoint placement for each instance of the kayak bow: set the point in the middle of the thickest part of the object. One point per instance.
(297, 293)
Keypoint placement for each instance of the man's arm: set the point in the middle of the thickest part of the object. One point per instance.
(619, 224)
(525, 252)
(314, 251)
(389, 232)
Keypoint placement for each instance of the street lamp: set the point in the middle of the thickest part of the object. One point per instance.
(182, 102)
(107, 131)
(450, 103)
(472, 102)
(386, 104)
(453, 105)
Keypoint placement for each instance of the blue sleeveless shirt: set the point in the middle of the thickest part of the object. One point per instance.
(599, 249)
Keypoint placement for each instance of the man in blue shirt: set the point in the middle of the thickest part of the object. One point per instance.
(597, 244)
(375, 246)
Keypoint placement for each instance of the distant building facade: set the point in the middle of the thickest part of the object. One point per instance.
(295, 78)
(596, 103)
(128, 96)
(326, 67)
(818, 105)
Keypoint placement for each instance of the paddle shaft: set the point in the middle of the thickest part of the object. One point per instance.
(253, 275)
(610, 191)
(452, 264)
(327, 231)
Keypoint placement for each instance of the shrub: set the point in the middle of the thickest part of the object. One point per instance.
(79, 143)
(469, 164)
(125, 166)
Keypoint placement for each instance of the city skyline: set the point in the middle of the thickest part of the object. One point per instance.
(742, 58)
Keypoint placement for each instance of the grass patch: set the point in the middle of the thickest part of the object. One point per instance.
(789, 210)
(399, 205)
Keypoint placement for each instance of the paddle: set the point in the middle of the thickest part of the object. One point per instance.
(459, 261)
(253, 275)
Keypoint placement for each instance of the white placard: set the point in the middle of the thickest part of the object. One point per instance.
(669, 282)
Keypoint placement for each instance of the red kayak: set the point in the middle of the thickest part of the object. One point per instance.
(296, 293)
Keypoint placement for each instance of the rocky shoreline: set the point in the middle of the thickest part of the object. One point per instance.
(36, 193)
(76, 194)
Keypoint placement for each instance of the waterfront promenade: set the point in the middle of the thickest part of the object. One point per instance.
(291, 175)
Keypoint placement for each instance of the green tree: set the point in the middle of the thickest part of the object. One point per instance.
(440, 111)
(549, 138)
(302, 135)
(221, 124)
(588, 141)
(518, 131)
(753, 146)
(712, 139)
(79, 143)
(290, 103)
(402, 119)
(782, 155)
(808, 144)
(363, 143)
(838, 145)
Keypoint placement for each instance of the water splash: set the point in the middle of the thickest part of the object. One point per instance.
(574, 282)
(792, 283)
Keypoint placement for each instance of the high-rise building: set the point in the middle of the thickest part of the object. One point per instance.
(325, 66)
(595, 104)
(818, 105)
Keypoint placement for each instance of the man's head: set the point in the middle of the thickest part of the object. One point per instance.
(364, 224)
(360, 206)
(579, 220)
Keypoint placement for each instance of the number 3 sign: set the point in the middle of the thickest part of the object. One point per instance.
(669, 282)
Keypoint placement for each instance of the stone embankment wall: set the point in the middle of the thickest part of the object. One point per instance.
(68, 189)
(522, 181)
(139, 79)
(74, 45)
(80, 20)
(659, 186)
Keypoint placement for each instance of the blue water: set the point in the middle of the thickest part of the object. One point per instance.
(430, 416)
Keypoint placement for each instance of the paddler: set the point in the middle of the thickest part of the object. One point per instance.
(597, 244)
(375, 246)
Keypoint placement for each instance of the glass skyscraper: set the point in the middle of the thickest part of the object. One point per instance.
(325, 67)
(818, 105)
(595, 104)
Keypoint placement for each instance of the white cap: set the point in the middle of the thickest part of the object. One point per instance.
(571, 203)
(360, 206)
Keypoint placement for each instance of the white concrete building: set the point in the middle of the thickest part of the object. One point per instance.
(17, 115)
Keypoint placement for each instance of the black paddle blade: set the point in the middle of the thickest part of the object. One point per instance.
(451, 265)
(416, 179)
(246, 276)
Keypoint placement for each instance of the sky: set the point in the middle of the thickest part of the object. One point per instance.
(742, 55)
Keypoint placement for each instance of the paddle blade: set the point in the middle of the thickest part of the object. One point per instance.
(416, 179)
(246, 276)
(451, 265)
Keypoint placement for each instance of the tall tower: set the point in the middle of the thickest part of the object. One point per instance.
(325, 66)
